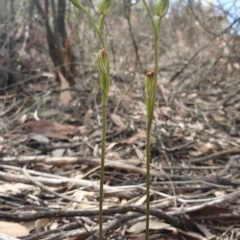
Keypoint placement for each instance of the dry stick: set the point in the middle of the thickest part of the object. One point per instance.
(168, 217)
(22, 160)
(54, 180)
(215, 155)
(36, 182)
(214, 202)
(177, 222)
(172, 186)
(115, 223)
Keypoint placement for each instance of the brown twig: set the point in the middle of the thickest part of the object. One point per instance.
(83, 213)
(232, 151)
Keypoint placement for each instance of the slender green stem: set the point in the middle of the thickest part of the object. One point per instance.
(104, 127)
(150, 16)
(148, 143)
(156, 67)
(101, 22)
(148, 179)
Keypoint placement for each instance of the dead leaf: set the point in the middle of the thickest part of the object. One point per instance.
(140, 201)
(113, 144)
(58, 152)
(83, 206)
(7, 237)
(139, 154)
(65, 95)
(83, 236)
(87, 116)
(29, 225)
(54, 226)
(153, 225)
(118, 121)
(206, 148)
(113, 156)
(134, 138)
(192, 95)
(41, 224)
(220, 193)
(39, 138)
(209, 211)
(13, 229)
(50, 129)
(166, 111)
(193, 235)
(205, 231)
(195, 153)
(124, 201)
(15, 188)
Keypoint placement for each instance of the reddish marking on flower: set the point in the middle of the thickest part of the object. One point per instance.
(104, 53)
(150, 73)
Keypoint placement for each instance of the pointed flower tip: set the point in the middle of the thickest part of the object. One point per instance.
(161, 7)
(105, 6)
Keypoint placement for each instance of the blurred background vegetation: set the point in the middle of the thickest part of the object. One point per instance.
(52, 41)
(199, 40)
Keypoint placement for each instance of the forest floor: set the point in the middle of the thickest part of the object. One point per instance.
(50, 161)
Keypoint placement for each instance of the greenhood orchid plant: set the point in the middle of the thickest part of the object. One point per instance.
(161, 7)
(104, 71)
